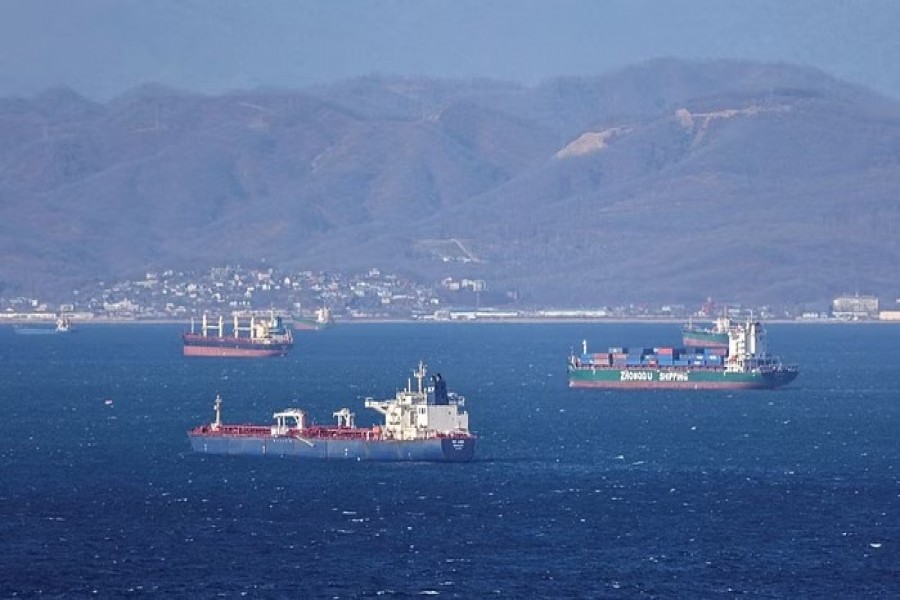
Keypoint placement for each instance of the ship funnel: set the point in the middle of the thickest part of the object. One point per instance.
(441, 398)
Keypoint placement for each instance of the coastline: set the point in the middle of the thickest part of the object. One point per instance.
(106, 320)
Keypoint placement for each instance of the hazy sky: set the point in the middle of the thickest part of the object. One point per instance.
(101, 48)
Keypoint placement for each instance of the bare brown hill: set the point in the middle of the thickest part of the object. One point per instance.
(668, 181)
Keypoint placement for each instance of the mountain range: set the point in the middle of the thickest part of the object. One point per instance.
(668, 181)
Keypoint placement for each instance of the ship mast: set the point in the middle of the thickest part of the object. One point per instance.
(218, 408)
(420, 375)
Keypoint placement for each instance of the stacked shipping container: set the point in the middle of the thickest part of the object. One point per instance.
(619, 357)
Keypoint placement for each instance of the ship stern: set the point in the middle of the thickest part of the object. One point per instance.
(458, 449)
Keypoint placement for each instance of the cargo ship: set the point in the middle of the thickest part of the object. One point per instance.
(743, 364)
(427, 423)
(251, 336)
(715, 336)
(318, 320)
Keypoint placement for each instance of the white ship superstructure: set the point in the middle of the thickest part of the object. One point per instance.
(422, 412)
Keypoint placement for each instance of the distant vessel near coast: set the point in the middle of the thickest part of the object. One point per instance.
(251, 336)
(318, 320)
(715, 336)
(63, 325)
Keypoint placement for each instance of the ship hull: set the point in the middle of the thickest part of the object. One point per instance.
(704, 339)
(456, 449)
(311, 324)
(233, 352)
(37, 331)
(706, 379)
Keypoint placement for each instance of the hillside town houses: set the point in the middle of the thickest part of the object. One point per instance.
(175, 295)
(171, 295)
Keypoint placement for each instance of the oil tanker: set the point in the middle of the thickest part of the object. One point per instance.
(251, 336)
(743, 364)
(425, 423)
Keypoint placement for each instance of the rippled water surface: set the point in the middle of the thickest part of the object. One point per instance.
(576, 493)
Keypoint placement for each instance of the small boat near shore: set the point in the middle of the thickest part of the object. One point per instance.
(63, 325)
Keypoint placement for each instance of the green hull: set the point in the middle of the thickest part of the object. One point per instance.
(679, 378)
(310, 324)
(701, 338)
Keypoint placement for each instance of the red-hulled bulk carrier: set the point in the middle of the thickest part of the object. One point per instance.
(251, 336)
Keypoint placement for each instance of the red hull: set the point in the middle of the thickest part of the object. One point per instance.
(198, 345)
(233, 352)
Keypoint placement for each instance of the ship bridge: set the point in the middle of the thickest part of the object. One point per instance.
(422, 412)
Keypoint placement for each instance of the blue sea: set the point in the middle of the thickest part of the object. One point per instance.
(792, 493)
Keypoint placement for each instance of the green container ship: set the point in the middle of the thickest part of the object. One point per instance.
(743, 364)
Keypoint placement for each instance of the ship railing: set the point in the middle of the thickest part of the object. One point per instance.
(456, 433)
(319, 431)
(457, 399)
(236, 430)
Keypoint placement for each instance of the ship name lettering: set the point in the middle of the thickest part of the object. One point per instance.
(636, 376)
(673, 376)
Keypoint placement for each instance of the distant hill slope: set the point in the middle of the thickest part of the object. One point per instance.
(668, 182)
